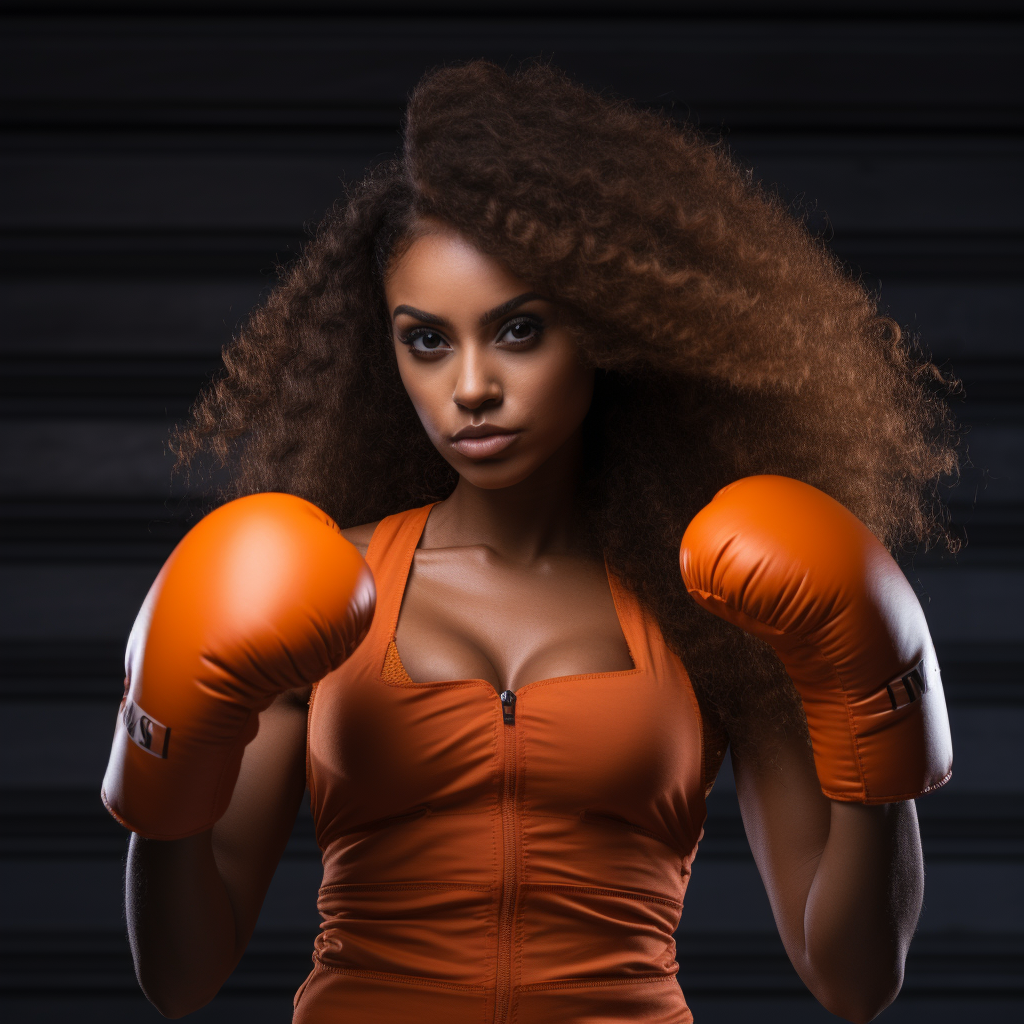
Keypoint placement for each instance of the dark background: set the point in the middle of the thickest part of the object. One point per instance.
(156, 163)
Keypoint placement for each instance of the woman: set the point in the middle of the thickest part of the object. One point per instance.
(524, 357)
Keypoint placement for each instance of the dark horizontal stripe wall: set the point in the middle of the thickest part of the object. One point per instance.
(159, 163)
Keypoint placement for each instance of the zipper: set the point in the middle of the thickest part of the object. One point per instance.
(508, 707)
(509, 884)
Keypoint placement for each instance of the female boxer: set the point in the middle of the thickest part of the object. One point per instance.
(556, 337)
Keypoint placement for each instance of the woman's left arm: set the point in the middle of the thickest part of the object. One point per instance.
(834, 833)
(845, 880)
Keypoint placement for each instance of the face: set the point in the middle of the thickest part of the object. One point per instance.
(488, 363)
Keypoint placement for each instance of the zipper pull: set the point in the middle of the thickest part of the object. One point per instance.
(508, 707)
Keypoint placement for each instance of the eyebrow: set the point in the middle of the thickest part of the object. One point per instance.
(495, 314)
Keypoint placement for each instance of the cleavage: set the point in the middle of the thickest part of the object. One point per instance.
(468, 615)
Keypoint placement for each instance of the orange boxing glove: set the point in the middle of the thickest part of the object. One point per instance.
(787, 563)
(261, 596)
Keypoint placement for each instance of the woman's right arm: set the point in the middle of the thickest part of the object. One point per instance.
(258, 601)
(192, 903)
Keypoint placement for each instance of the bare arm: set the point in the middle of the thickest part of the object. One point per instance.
(192, 904)
(845, 880)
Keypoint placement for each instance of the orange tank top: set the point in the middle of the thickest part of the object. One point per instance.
(495, 860)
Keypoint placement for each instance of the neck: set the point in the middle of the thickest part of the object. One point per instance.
(530, 520)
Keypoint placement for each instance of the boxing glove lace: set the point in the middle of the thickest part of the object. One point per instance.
(787, 563)
(261, 596)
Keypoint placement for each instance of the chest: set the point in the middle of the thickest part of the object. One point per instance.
(474, 616)
(618, 752)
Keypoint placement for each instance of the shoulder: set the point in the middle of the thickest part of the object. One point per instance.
(360, 535)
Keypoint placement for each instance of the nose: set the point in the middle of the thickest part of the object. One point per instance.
(478, 384)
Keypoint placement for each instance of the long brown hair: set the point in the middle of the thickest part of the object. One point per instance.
(728, 342)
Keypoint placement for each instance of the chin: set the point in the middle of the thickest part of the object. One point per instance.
(497, 475)
(493, 481)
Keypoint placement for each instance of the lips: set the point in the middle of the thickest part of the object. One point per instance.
(483, 441)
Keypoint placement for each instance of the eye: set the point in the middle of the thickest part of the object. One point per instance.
(424, 341)
(523, 331)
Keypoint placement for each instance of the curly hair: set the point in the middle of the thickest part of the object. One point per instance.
(728, 341)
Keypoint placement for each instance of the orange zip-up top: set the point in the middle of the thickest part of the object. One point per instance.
(519, 859)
